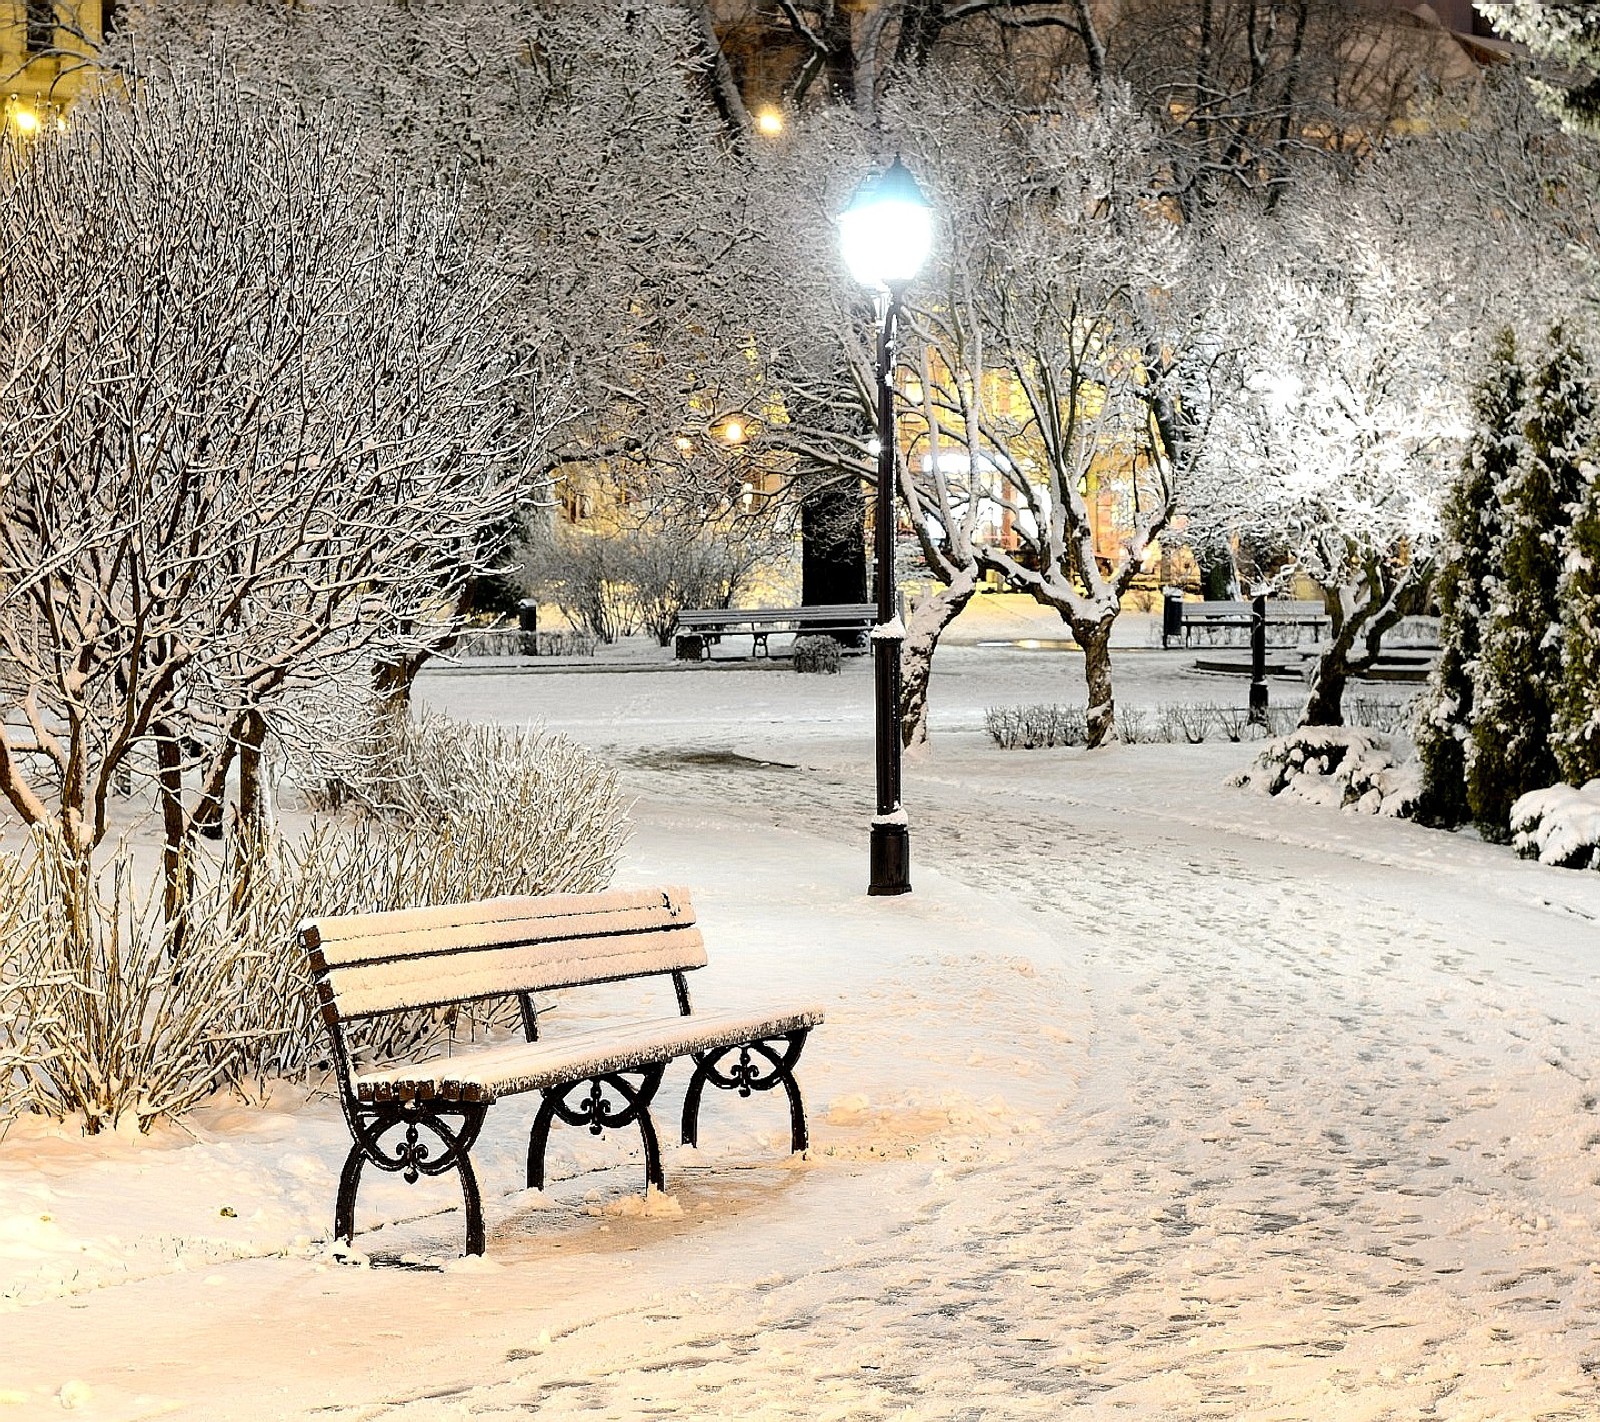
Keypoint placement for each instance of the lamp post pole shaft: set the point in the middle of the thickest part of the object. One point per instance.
(891, 835)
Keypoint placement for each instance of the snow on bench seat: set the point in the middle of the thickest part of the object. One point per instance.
(488, 1074)
(422, 1117)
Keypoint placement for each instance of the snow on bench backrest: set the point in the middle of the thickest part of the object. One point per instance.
(382, 962)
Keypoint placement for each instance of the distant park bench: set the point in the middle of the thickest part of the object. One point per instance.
(699, 629)
(1182, 620)
(602, 1074)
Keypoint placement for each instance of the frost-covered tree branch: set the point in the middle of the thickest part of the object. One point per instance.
(1061, 385)
(597, 180)
(253, 434)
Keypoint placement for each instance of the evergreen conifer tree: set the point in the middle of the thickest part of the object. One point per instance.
(1518, 669)
(1576, 734)
(1471, 526)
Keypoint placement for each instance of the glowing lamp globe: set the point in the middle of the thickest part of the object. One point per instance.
(887, 230)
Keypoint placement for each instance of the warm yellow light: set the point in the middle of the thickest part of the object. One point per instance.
(770, 122)
(733, 431)
(26, 120)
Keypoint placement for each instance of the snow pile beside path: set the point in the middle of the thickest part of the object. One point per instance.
(1346, 767)
(1560, 825)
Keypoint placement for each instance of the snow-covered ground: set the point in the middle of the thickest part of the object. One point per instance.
(1155, 1099)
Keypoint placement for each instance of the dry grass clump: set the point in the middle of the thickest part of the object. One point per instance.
(105, 1015)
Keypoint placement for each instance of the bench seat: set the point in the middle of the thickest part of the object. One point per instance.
(485, 1076)
(698, 628)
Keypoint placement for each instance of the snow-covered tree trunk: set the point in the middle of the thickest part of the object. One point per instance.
(924, 627)
(1095, 639)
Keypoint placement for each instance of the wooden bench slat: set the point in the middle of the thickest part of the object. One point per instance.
(484, 1075)
(524, 906)
(452, 938)
(818, 612)
(394, 984)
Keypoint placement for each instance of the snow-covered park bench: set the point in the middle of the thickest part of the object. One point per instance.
(699, 629)
(602, 1074)
(1183, 620)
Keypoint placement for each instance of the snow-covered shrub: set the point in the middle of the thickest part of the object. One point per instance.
(1576, 733)
(100, 1019)
(1517, 673)
(1342, 766)
(514, 809)
(448, 812)
(1030, 727)
(1559, 825)
(103, 1022)
(817, 654)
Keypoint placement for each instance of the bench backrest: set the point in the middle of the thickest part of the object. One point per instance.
(370, 963)
(1288, 607)
(821, 612)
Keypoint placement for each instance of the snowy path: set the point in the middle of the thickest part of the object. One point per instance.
(1331, 1155)
(1154, 1100)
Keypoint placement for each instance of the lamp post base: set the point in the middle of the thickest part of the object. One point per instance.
(891, 860)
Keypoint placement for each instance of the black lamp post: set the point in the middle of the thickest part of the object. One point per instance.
(886, 233)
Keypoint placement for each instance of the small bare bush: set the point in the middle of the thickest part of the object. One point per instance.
(1036, 727)
(1191, 722)
(1133, 725)
(447, 812)
(817, 654)
(616, 582)
(1030, 727)
(102, 1020)
(105, 1025)
(1381, 713)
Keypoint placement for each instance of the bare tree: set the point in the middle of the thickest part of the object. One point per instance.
(1056, 339)
(1360, 310)
(597, 180)
(252, 430)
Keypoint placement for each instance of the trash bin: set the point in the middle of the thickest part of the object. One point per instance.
(528, 626)
(1171, 615)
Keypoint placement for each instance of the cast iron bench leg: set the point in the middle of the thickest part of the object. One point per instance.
(747, 1075)
(413, 1157)
(594, 1110)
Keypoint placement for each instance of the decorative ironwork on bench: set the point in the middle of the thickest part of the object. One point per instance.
(411, 1157)
(585, 1103)
(758, 1066)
